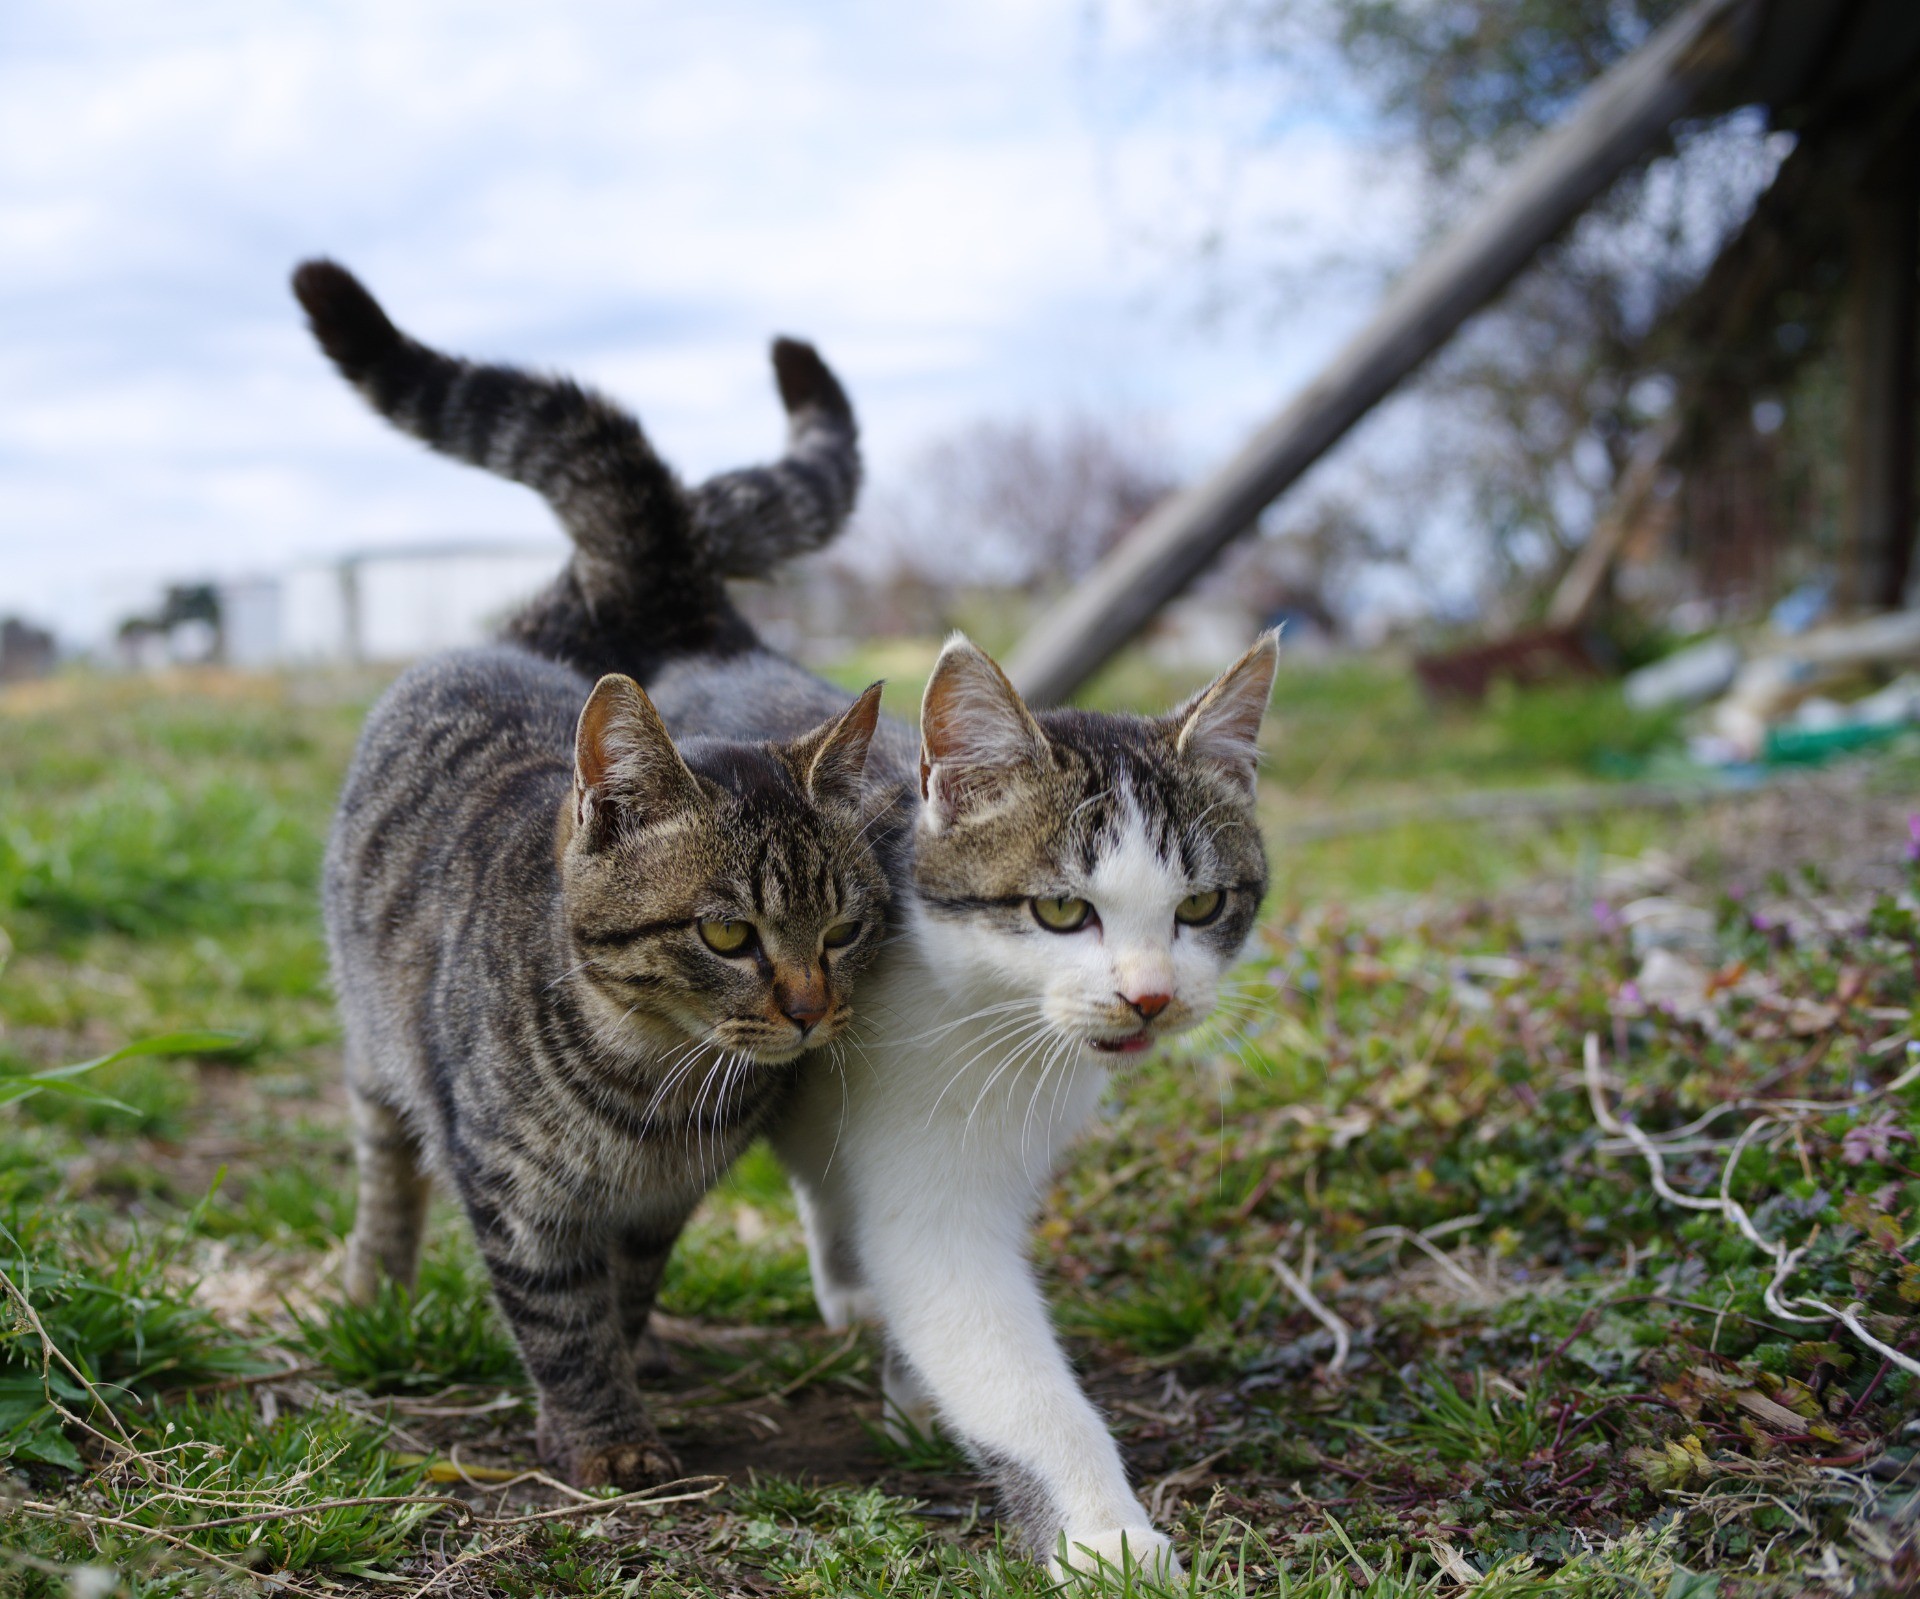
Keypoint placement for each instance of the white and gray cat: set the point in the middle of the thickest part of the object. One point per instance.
(1070, 888)
(1076, 888)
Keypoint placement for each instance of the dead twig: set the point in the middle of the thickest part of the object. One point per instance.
(640, 1496)
(89, 1518)
(1296, 1284)
(1426, 1246)
(1785, 1260)
(482, 1547)
(844, 1348)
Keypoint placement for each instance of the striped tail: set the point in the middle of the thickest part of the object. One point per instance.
(651, 555)
(759, 516)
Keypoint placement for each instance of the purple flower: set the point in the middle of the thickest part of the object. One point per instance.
(1872, 1140)
(1913, 838)
(1605, 917)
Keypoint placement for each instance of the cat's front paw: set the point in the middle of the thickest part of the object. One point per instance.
(640, 1464)
(1108, 1557)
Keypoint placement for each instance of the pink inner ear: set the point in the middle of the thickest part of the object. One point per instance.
(1225, 725)
(1230, 729)
(972, 716)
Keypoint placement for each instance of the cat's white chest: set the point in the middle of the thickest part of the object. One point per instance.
(976, 1073)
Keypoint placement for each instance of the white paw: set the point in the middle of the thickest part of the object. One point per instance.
(841, 1307)
(909, 1414)
(1101, 1558)
(908, 1426)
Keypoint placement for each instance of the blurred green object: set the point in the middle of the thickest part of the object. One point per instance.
(1808, 746)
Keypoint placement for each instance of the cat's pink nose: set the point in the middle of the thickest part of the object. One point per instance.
(806, 1017)
(1148, 1005)
(802, 997)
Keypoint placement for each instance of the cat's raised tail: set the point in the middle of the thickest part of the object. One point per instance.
(589, 458)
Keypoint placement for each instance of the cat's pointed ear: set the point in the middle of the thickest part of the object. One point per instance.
(1221, 724)
(832, 759)
(623, 759)
(974, 730)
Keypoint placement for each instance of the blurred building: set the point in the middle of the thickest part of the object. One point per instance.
(26, 651)
(383, 605)
(390, 605)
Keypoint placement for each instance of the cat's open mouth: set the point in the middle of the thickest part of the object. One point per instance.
(1132, 1044)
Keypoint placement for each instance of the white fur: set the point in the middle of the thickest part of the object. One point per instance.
(927, 1156)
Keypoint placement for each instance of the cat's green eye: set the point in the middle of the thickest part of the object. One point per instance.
(1061, 915)
(726, 938)
(840, 935)
(1196, 910)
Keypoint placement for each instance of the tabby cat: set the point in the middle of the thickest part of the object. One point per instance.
(1072, 887)
(577, 967)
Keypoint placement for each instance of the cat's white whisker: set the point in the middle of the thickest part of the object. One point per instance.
(995, 1037)
(1016, 1059)
(1022, 1003)
(578, 966)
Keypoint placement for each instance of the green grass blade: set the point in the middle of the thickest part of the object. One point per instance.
(58, 1079)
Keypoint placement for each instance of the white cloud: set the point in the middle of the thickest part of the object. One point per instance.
(641, 194)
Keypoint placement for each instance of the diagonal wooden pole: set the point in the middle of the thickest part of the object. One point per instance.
(1618, 119)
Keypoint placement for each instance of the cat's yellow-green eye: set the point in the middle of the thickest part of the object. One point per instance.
(1061, 915)
(724, 937)
(840, 935)
(1196, 910)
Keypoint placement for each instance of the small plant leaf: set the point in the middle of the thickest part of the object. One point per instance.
(59, 1079)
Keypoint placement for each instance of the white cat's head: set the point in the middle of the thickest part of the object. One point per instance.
(1105, 868)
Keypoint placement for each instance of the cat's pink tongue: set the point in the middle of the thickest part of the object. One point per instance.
(1123, 1046)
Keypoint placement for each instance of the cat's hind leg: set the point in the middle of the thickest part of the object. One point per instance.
(910, 1405)
(393, 1193)
(637, 1258)
(806, 1145)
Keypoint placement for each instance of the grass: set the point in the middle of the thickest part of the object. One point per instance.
(744, 1258)
(231, 1456)
(441, 1333)
(123, 1323)
(1556, 1379)
(1471, 1421)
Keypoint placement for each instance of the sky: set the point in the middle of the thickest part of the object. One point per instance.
(978, 209)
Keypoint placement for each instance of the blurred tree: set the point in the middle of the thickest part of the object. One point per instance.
(1471, 81)
(1020, 503)
(997, 506)
(1522, 426)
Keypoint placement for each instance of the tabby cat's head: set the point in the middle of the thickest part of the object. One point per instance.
(1104, 870)
(719, 892)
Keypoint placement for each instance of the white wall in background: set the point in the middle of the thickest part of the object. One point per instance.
(381, 606)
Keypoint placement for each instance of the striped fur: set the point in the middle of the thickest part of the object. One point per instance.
(990, 1038)
(647, 578)
(513, 888)
(751, 520)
